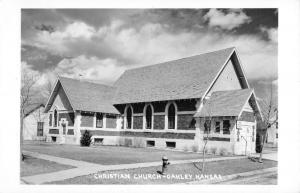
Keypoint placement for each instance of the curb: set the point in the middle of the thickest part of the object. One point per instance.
(233, 176)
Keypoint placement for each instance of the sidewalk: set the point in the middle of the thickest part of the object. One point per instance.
(270, 156)
(85, 168)
(227, 179)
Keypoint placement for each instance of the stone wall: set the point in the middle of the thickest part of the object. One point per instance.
(167, 135)
(137, 122)
(87, 119)
(159, 122)
(186, 122)
(186, 105)
(111, 121)
(138, 107)
(159, 106)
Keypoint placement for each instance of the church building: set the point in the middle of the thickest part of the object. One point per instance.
(177, 104)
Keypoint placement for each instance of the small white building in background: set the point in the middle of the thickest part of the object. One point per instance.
(34, 122)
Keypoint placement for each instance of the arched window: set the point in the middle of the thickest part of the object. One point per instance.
(171, 116)
(148, 117)
(129, 118)
(55, 118)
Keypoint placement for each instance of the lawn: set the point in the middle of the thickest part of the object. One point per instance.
(33, 166)
(176, 172)
(109, 155)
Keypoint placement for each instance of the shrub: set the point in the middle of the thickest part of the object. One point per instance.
(195, 148)
(185, 148)
(213, 150)
(128, 142)
(85, 139)
(223, 151)
(121, 141)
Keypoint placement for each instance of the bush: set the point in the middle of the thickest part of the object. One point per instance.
(213, 150)
(121, 141)
(85, 139)
(128, 142)
(223, 151)
(185, 148)
(195, 148)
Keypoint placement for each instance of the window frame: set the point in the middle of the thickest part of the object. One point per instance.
(55, 119)
(125, 122)
(204, 125)
(215, 131)
(167, 116)
(145, 117)
(229, 125)
(50, 121)
(40, 123)
(102, 120)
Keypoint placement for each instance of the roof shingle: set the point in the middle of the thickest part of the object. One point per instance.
(225, 103)
(88, 96)
(179, 79)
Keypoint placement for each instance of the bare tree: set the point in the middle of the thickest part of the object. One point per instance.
(28, 81)
(269, 113)
(207, 131)
(48, 88)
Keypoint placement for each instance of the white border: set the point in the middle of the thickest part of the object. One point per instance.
(289, 95)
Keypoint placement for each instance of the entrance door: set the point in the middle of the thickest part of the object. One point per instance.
(249, 139)
(244, 145)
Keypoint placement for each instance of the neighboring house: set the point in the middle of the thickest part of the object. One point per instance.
(35, 122)
(165, 105)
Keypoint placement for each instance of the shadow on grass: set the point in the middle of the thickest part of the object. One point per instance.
(196, 166)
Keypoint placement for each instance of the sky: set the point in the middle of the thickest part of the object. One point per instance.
(100, 44)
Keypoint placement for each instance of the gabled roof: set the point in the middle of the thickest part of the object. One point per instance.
(185, 78)
(32, 107)
(86, 96)
(225, 103)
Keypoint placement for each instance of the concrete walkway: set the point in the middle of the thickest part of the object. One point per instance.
(86, 168)
(60, 160)
(270, 156)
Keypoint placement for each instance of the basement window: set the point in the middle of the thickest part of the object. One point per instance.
(150, 143)
(170, 144)
(53, 139)
(98, 141)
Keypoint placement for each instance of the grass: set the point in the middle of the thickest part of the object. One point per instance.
(110, 155)
(219, 168)
(33, 166)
